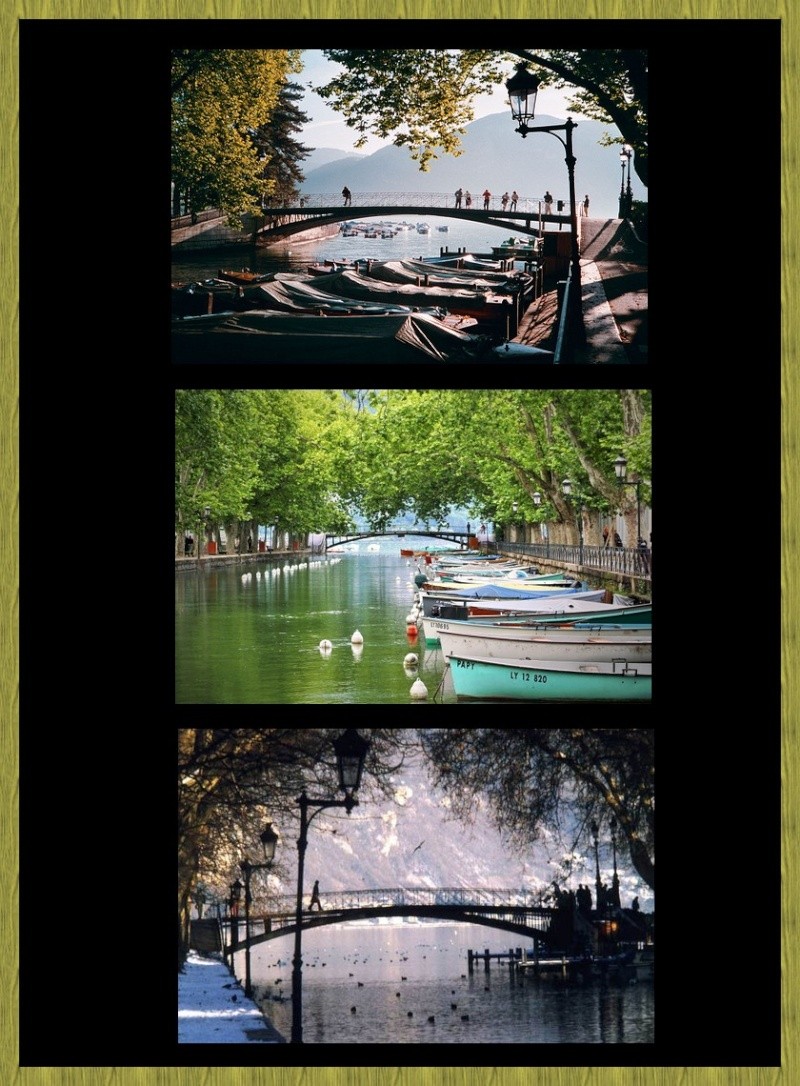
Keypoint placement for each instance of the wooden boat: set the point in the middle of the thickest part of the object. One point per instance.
(244, 277)
(550, 680)
(505, 598)
(518, 641)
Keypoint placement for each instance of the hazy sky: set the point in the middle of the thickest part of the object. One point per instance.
(327, 129)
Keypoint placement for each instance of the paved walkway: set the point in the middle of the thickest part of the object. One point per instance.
(213, 1009)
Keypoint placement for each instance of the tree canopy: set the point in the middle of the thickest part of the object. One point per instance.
(423, 98)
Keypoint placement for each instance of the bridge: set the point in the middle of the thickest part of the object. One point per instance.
(517, 911)
(327, 209)
(323, 209)
(333, 540)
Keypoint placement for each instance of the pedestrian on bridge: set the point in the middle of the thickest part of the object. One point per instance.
(348, 199)
(459, 194)
(468, 198)
(548, 202)
(504, 200)
(514, 199)
(315, 898)
(486, 198)
(586, 206)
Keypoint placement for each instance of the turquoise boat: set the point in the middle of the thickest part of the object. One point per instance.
(547, 680)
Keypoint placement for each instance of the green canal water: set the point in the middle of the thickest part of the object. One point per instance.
(250, 633)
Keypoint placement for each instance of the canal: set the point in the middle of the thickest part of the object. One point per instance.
(250, 633)
(366, 982)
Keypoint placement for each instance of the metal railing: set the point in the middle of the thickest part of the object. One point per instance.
(526, 205)
(480, 897)
(622, 561)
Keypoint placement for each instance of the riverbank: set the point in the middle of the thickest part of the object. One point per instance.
(213, 1009)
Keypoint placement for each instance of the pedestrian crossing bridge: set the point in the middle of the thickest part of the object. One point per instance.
(517, 911)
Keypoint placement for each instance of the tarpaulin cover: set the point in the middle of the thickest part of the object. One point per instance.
(497, 592)
(263, 336)
(298, 293)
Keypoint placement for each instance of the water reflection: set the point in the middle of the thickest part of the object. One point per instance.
(409, 984)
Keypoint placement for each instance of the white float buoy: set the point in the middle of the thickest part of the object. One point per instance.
(357, 638)
(419, 689)
(325, 646)
(411, 659)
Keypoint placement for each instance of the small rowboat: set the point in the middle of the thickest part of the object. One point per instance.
(550, 680)
(243, 278)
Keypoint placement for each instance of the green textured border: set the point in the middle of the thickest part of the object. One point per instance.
(9, 536)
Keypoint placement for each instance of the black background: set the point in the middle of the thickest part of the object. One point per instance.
(97, 712)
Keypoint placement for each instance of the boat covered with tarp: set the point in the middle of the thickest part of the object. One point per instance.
(264, 336)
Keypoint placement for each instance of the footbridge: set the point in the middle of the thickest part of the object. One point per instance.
(325, 209)
(517, 911)
(460, 538)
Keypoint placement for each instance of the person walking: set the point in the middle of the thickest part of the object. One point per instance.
(585, 210)
(459, 194)
(548, 202)
(504, 200)
(315, 898)
(468, 198)
(514, 199)
(605, 535)
(348, 199)
(486, 198)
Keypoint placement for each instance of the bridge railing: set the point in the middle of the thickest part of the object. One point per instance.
(418, 896)
(531, 205)
(622, 561)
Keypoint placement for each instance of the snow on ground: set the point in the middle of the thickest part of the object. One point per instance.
(213, 1009)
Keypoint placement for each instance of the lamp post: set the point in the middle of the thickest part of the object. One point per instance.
(235, 898)
(537, 501)
(522, 89)
(621, 470)
(269, 840)
(203, 518)
(625, 196)
(566, 487)
(615, 880)
(351, 751)
(598, 884)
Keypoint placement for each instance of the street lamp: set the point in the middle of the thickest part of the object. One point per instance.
(598, 884)
(522, 89)
(235, 898)
(625, 197)
(351, 751)
(269, 840)
(621, 470)
(566, 487)
(615, 880)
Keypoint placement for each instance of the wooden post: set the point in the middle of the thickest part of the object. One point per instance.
(486, 959)
(470, 962)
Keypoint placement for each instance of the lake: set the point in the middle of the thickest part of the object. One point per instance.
(387, 970)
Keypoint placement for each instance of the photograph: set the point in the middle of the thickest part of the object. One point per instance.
(481, 886)
(321, 558)
(409, 205)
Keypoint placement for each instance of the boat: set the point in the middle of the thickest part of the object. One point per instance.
(423, 228)
(443, 229)
(502, 678)
(582, 609)
(431, 595)
(531, 641)
(244, 277)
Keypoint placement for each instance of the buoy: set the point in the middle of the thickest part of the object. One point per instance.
(419, 689)
(357, 639)
(325, 646)
(411, 619)
(411, 659)
(412, 632)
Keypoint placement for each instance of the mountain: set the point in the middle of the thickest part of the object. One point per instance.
(496, 157)
(412, 841)
(322, 156)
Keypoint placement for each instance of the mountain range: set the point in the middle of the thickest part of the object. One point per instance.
(412, 840)
(494, 156)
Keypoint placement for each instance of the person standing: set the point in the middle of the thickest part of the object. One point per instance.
(548, 202)
(585, 211)
(468, 198)
(348, 199)
(459, 194)
(504, 200)
(514, 199)
(486, 198)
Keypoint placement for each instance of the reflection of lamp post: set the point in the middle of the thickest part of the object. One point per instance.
(625, 196)
(351, 750)
(566, 487)
(269, 840)
(598, 884)
(522, 90)
(621, 468)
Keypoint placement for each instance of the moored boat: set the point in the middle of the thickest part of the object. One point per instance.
(549, 680)
(531, 641)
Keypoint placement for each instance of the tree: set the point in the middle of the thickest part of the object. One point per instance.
(558, 779)
(220, 97)
(423, 97)
(282, 154)
(232, 781)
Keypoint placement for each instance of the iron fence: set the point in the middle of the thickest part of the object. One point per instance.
(617, 561)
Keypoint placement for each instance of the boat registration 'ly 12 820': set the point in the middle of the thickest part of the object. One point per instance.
(550, 680)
